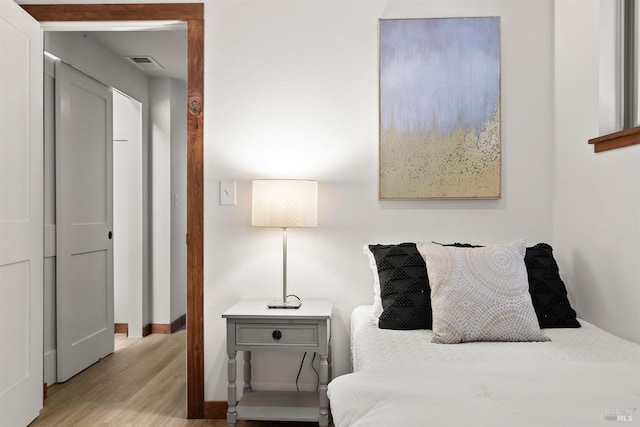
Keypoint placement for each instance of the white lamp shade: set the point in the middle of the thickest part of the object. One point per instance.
(284, 203)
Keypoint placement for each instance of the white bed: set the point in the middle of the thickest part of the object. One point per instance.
(582, 377)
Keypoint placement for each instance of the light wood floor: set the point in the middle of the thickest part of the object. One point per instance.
(141, 384)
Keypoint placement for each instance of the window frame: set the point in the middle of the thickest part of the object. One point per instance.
(630, 98)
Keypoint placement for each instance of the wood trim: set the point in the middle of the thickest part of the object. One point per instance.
(160, 328)
(164, 328)
(153, 328)
(121, 328)
(215, 410)
(624, 138)
(146, 330)
(116, 12)
(193, 13)
(177, 324)
(195, 218)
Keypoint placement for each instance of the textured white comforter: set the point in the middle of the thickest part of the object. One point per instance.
(582, 377)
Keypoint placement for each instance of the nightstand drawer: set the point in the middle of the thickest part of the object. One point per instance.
(256, 334)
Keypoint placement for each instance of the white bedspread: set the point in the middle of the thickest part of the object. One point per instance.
(580, 378)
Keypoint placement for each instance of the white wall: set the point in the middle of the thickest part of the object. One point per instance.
(127, 213)
(291, 90)
(596, 213)
(160, 132)
(168, 177)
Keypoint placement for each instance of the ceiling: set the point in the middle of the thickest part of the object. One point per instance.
(167, 48)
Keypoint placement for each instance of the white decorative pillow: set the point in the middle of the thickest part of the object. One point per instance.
(377, 301)
(480, 294)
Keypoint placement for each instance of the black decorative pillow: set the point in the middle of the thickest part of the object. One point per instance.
(404, 287)
(548, 293)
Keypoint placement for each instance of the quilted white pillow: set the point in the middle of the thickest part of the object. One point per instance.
(480, 294)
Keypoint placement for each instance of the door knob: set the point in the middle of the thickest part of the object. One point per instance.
(110, 235)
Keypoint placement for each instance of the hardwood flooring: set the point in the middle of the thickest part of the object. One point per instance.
(143, 383)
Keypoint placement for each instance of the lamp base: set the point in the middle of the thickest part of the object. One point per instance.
(287, 304)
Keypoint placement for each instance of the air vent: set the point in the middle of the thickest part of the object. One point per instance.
(145, 62)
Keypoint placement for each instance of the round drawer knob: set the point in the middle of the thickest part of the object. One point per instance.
(276, 334)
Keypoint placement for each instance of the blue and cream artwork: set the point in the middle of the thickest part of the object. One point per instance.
(440, 108)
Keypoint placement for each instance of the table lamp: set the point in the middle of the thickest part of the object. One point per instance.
(284, 203)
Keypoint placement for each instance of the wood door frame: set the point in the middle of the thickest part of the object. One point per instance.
(193, 14)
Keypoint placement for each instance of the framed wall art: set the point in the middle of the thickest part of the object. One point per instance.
(440, 108)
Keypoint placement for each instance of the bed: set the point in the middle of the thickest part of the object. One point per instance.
(576, 376)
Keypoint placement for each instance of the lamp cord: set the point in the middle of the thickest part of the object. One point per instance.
(300, 370)
(312, 367)
(292, 295)
(314, 370)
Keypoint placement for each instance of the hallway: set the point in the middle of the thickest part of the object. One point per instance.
(142, 383)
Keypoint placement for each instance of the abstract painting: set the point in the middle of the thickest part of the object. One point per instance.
(440, 108)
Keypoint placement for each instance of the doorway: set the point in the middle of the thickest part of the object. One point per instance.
(193, 14)
(75, 295)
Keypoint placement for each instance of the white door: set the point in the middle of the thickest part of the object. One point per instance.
(84, 218)
(21, 215)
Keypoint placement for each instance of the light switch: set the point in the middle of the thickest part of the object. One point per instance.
(227, 192)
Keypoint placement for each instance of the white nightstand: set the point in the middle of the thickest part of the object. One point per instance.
(251, 326)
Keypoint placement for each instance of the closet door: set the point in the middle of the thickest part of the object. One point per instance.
(21, 216)
(84, 221)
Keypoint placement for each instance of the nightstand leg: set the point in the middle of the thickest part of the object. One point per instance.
(247, 372)
(232, 395)
(323, 419)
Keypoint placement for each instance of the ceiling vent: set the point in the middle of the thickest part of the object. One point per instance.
(145, 62)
